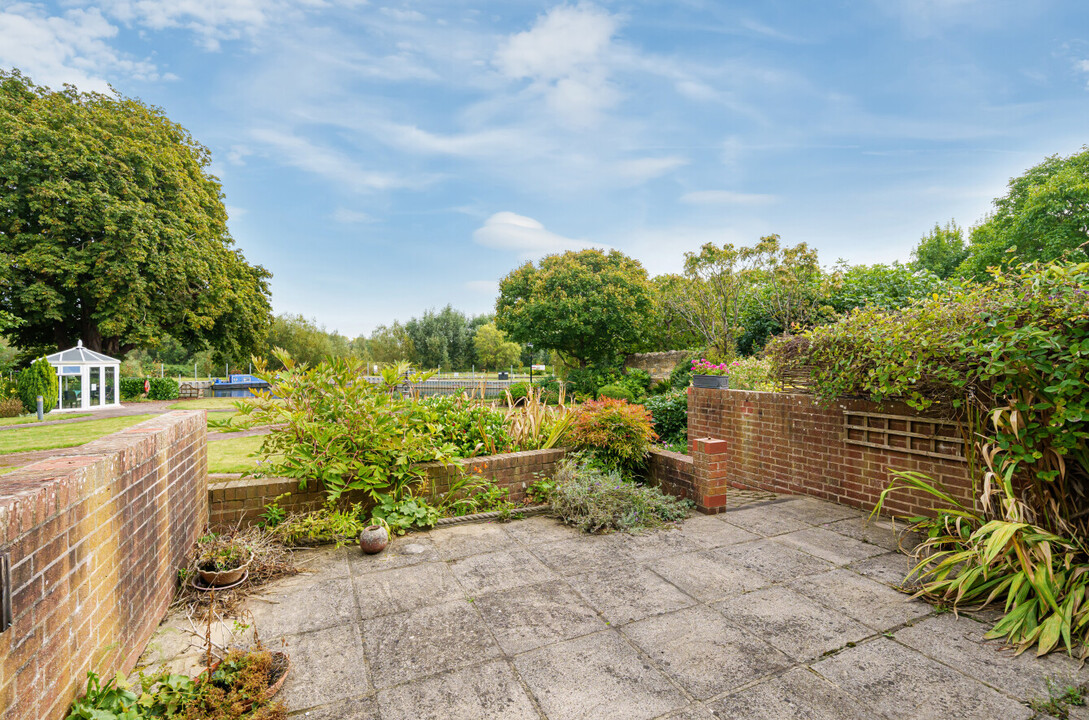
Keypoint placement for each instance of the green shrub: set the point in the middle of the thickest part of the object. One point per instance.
(596, 500)
(637, 382)
(132, 388)
(616, 392)
(751, 373)
(9, 388)
(616, 432)
(518, 391)
(163, 388)
(681, 377)
(11, 407)
(669, 413)
(328, 524)
(38, 379)
(471, 428)
(333, 426)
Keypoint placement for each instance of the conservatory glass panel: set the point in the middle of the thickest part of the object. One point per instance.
(71, 388)
(96, 386)
(111, 384)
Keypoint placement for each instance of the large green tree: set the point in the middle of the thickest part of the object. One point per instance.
(441, 339)
(588, 306)
(1043, 216)
(113, 231)
(305, 340)
(493, 350)
(941, 250)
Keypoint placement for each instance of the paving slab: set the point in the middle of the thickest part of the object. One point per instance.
(766, 520)
(799, 693)
(901, 683)
(791, 622)
(303, 603)
(597, 676)
(883, 533)
(817, 512)
(327, 561)
(771, 560)
(890, 568)
(622, 597)
(528, 617)
(539, 530)
(584, 554)
(405, 588)
(460, 541)
(704, 653)
(502, 570)
(326, 665)
(404, 551)
(692, 712)
(358, 708)
(706, 575)
(872, 603)
(959, 643)
(831, 546)
(485, 692)
(426, 641)
(712, 531)
(654, 544)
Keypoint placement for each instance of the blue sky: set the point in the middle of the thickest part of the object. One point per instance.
(382, 158)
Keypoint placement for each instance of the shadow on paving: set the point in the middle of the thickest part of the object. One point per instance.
(777, 610)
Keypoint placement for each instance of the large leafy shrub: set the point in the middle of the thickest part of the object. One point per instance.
(472, 428)
(38, 379)
(752, 373)
(11, 407)
(616, 432)
(163, 388)
(616, 392)
(669, 414)
(333, 426)
(132, 387)
(597, 500)
(1009, 358)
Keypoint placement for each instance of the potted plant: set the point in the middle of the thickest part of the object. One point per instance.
(706, 374)
(222, 560)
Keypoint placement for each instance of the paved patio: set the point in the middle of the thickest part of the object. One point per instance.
(778, 610)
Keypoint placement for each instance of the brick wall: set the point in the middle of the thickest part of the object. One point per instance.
(241, 501)
(672, 473)
(95, 536)
(792, 443)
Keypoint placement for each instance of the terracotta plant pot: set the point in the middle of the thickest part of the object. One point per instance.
(219, 578)
(373, 539)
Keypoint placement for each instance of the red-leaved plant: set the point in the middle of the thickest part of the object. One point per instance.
(617, 432)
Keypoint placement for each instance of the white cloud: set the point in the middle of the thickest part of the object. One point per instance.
(483, 143)
(236, 155)
(70, 48)
(351, 217)
(640, 170)
(1082, 66)
(565, 56)
(483, 287)
(328, 163)
(727, 197)
(211, 20)
(510, 231)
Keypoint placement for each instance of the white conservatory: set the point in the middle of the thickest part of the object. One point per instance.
(87, 380)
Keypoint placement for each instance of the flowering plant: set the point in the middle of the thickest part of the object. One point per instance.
(704, 366)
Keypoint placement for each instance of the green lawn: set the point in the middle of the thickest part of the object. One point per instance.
(25, 419)
(206, 404)
(234, 455)
(59, 436)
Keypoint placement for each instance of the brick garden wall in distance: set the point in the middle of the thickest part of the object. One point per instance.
(793, 443)
(241, 501)
(96, 535)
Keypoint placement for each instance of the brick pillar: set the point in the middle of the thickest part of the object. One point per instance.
(710, 470)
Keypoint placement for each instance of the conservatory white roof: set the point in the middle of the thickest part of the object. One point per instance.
(80, 355)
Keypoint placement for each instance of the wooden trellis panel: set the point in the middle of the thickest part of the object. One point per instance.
(931, 437)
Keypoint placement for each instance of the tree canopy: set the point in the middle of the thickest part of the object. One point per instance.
(113, 231)
(588, 306)
(941, 250)
(493, 350)
(1043, 216)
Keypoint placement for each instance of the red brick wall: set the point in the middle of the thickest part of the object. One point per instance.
(672, 473)
(792, 443)
(239, 501)
(96, 535)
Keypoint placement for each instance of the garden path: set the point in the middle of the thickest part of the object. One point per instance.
(783, 609)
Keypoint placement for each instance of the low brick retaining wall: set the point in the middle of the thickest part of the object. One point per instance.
(672, 473)
(238, 501)
(842, 451)
(95, 537)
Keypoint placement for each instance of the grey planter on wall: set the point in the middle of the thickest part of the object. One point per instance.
(711, 382)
